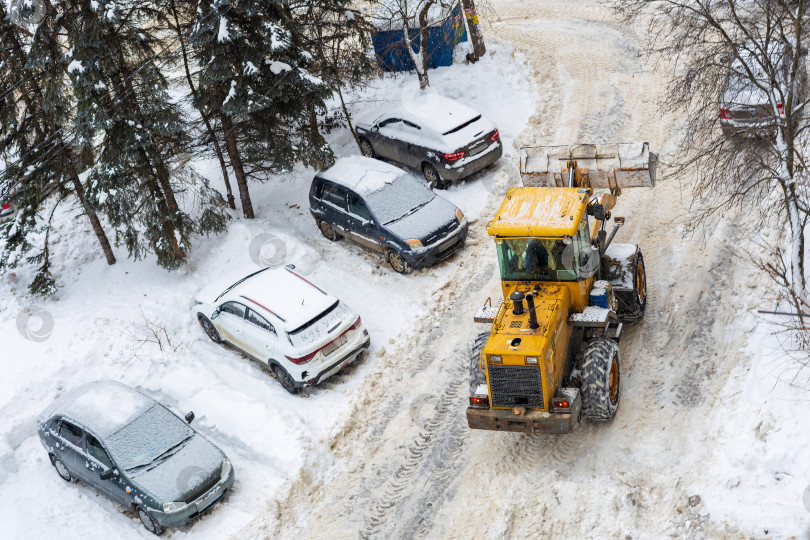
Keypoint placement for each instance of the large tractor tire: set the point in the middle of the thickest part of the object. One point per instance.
(628, 275)
(639, 297)
(477, 375)
(601, 379)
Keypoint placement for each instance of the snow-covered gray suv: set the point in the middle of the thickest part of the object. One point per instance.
(445, 140)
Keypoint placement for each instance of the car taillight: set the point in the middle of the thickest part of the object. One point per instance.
(6, 206)
(560, 403)
(781, 109)
(455, 156)
(302, 359)
(725, 114)
(495, 136)
(356, 324)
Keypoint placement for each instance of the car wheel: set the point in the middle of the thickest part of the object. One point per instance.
(398, 263)
(149, 522)
(209, 328)
(285, 380)
(62, 470)
(433, 178)
(366, 149)
(328, 231)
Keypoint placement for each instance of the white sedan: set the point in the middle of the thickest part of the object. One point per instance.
(277, 317)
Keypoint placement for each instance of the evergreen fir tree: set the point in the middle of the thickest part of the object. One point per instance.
(255, 78)
(136, 131)
(41, 161)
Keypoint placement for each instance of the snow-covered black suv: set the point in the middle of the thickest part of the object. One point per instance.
(444, 139)
(388, 210)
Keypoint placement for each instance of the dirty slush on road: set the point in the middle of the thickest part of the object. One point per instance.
(407, 465)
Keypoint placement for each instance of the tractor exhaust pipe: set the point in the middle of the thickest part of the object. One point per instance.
(532, 313)
(517, 301)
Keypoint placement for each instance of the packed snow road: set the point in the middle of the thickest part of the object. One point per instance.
(407, 466)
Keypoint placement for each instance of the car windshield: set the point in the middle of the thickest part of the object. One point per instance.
(399, 198)
(147, 440)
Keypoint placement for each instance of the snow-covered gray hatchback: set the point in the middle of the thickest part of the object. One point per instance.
(135, 451)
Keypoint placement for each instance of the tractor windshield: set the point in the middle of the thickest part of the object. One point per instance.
(546, 259)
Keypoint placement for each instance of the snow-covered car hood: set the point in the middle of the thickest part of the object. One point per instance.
(428, 219)
(182, 475)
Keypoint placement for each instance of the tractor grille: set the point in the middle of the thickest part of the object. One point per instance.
(516, 385)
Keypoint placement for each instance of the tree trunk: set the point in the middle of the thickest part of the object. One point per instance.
(208, 127)
(236, 163)
(471, 15)
(423, 28)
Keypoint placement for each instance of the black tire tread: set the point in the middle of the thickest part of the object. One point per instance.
(595, 388)
(477, 375)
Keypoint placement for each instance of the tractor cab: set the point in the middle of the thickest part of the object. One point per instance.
(542, 237)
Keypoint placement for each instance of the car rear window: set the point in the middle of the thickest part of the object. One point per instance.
(462, 126)
(317, 318)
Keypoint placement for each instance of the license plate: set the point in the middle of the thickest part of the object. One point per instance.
(209, 500)
(447, 244)
(335, 345)
(475, 150)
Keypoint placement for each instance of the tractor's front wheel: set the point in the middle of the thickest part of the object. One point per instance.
(601, 378)
(477, 375)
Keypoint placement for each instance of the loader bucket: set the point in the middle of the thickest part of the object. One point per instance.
(601, 166)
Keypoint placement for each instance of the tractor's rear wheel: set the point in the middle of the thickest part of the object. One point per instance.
(477, 375)
(601, 379)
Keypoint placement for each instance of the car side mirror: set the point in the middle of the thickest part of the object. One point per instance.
(107, 474)
(375, 129)
(723, 59)
(215, 314)
(290, 267)
(189, 416)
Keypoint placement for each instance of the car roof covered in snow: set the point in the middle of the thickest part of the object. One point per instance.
(103, 407)
(361, 174)
(280, 292)
(437, 113)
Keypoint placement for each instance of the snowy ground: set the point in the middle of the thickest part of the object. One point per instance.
(100, 329)
(706, 443)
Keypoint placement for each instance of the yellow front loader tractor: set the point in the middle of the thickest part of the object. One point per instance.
(551, 355)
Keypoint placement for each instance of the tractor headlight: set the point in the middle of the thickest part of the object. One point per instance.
(226, 469)
(171, 507)
(415, 243)
(531, 359)
(496, 358)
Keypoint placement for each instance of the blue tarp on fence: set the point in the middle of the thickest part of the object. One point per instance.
(442, 38)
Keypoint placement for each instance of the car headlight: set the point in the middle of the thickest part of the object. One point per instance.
(174, 506)
(459, 215)
(226, 468)
(415, 244)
